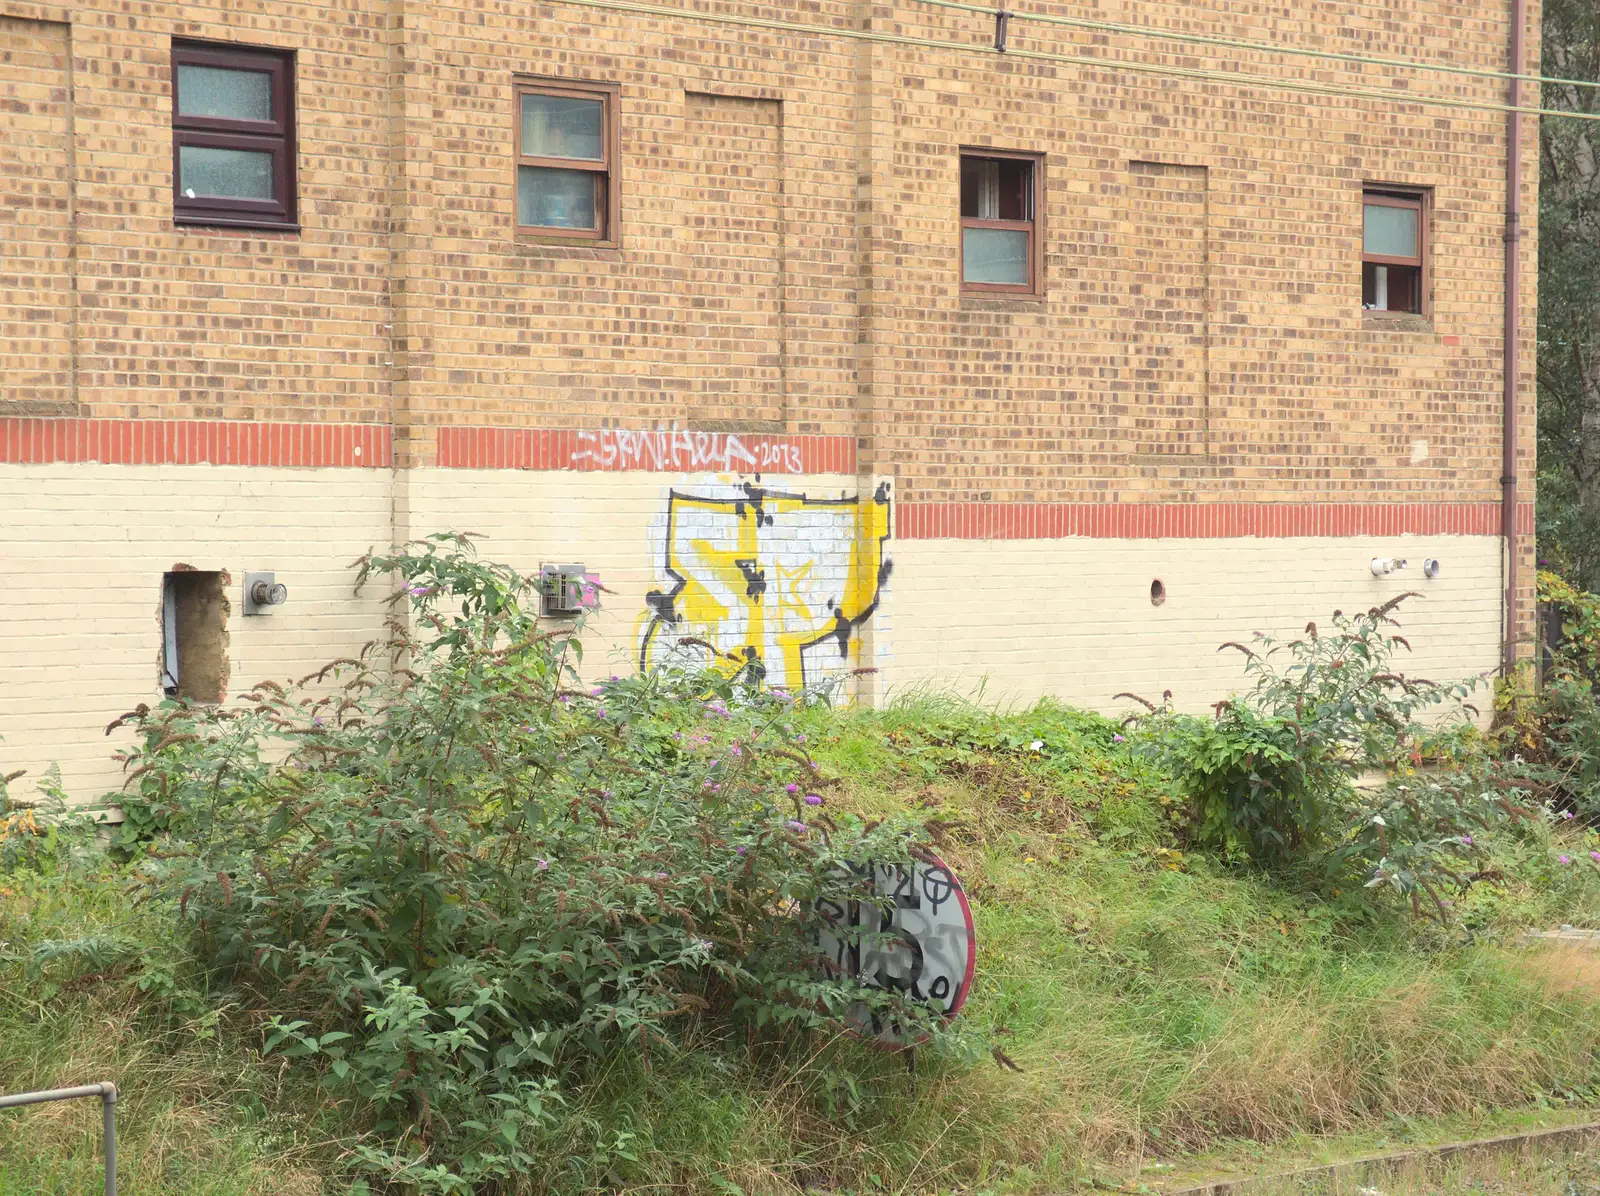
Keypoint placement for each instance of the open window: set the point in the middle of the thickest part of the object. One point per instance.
(193, 635)
(1394, 239)
(999, 225)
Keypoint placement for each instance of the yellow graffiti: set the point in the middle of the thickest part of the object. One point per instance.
(758, 582)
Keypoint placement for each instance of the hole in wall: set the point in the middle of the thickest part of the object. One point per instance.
(194, 637)
(1158, 592)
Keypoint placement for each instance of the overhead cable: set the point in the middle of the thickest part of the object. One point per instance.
(1172, 35)
(1229, 78)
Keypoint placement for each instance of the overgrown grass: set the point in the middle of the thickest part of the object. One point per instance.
(1132, 1000)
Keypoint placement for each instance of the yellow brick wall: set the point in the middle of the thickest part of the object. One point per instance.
(35, 218)
(1201, 329)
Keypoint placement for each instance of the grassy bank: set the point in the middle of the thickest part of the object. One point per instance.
(1132, 1001)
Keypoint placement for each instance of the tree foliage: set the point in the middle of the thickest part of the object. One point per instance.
(1569, 297)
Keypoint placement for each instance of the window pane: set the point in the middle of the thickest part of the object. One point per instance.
(980, 188)
(1391, 232)
(996, 189)
(224, 173)
(218, 91)
(562, 127)
(995, 255)
(555, 198)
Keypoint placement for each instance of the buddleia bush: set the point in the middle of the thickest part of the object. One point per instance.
(1320, 766)
(454, 877)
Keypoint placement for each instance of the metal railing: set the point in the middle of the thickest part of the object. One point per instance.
(107, 1092)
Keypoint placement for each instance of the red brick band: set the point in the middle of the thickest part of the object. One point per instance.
(1148, 521)
(193, 442)
(29, 441)
(667, 450)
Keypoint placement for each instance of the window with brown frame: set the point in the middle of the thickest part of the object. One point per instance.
(999, 226)
(233, 151)
(1394, 240)
(566, 160)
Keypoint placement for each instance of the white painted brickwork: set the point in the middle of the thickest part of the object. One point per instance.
(82, 553)
(83, 548)
(1073, 618)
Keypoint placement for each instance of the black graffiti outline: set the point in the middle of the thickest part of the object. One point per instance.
(752, 501)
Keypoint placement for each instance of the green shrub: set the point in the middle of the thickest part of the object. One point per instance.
(1270, 776)
(1273, 778)
(459, 878)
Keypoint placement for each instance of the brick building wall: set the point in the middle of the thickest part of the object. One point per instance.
(785, 273)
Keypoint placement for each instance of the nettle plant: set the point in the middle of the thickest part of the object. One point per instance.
(455, 877)
(1272, 778)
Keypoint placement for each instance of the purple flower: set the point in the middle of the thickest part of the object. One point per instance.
(811, 799)
(601, 712)
(798, 828)
(742, 850)
(542, 865)
(791, 788)
(661, 876)
(605, 793)
(1118, 739)
(528, 727)
(799, 738)
(1566, 815)
(713, 764)
(1595, 855)
(736, 750)
(1467, 839)
(317, 722)
(1564, 859)
(595, 692)
(565, 701)
(417, 591)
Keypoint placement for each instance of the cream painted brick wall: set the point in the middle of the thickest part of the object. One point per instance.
(1073, 618)
(82, 551)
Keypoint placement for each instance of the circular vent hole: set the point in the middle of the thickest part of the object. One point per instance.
(1158, 592)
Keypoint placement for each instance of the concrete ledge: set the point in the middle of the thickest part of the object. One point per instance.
(1566, 1137)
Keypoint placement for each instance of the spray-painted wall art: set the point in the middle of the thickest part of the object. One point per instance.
(770, 585)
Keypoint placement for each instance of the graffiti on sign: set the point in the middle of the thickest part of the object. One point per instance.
(767, 585)
(917, 937)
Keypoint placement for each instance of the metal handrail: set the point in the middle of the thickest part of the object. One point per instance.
(107, 1092)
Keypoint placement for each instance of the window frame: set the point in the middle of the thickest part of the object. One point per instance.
(1034, 287)
(605, 170)
(275, 136)
(1417, 199)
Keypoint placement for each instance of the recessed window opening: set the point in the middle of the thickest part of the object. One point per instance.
(193, 635)
(1394, 230)
(233, 147)
(566, 160)
(999, 242)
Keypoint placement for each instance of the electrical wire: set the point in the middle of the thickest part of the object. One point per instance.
(1229, 78)
(1159, 34)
